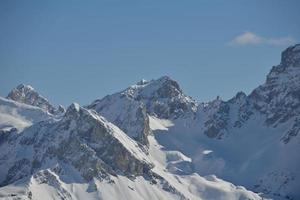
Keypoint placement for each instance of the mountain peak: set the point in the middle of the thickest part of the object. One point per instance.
(170, 81)
(165, 78)
(74, 106)
(73, 109)
(288, 68)
(26, 94)
(278, 97)
(164, 87)
(291, 56)
(25, 87)
(142, 82)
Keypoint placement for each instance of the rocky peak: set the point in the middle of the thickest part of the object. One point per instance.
(82, 139)
(142, 82)
(166, 80)
(26, 94)
(239, 98)
(74, 107)
(240, 95)
(291, 56)
(61, 109)
(288, 68)
(73, 111)
(164, 87)
(21, 91)
(164, 98)
(214, 103)
(25, 88)
(279, 96)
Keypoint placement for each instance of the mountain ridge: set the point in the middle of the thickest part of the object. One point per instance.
(153, 134)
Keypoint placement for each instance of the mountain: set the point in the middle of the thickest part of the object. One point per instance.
(249, 140)
(152, 141)
(129, 109)
(82, 155)
(26, 94)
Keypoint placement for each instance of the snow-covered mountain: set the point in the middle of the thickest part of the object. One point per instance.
(83, 156)
(26, 94)
(249, 140)
(151, 141)
(129, 109)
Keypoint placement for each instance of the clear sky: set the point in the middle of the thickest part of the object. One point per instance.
(82, 50)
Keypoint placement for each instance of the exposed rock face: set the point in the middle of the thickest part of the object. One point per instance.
(216, 111)
(163, 98)
(26, 94)
(60, 110)
(291, 56)
(279, 97)
(294, 131)
(127, 114)
(271, 114)
(86, 141)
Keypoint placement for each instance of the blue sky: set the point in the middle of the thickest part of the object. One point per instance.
(82, 50)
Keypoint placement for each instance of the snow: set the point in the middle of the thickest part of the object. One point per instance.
(19, 115)
(190, 163)
(76, 106)
(193, 185)
(167, 164)
(242, 158)
(159, 124)
(205, 152)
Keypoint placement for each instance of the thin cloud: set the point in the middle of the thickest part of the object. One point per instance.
(250, 38)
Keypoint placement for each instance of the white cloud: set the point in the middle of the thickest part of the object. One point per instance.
(249, 38)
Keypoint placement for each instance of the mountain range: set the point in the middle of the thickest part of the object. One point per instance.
(152, 141)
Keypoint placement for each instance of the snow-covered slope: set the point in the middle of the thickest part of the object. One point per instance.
(83, 156)
(249, 140)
